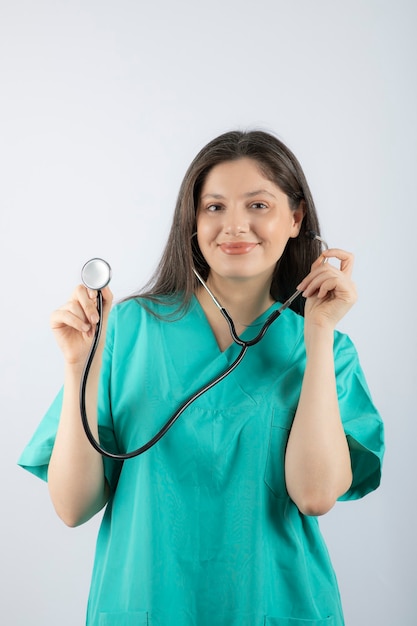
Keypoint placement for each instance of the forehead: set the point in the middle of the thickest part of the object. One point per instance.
(238, 177)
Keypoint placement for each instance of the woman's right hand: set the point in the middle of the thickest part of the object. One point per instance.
(74, 324)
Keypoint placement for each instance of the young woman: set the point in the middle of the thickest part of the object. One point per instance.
(216, 524)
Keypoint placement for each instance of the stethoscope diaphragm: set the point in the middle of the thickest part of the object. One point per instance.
(96, 274)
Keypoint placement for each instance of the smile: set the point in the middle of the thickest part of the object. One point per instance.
(238, 247)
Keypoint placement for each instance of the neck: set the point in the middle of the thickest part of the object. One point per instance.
(245, 300)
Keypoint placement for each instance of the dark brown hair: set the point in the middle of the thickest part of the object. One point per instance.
(174, 276)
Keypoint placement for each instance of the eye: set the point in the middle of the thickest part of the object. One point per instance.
(212, 208)
(258, 205)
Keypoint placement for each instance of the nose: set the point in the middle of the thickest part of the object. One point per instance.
(235, 222)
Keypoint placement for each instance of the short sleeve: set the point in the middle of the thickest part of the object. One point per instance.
(361, 421)
(36, 455)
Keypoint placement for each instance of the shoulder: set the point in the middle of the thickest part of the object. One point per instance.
(290, 329)
(343, 345)
(145, 313)
(294, 323)
(139, 307)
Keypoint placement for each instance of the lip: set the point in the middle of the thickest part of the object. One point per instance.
(237, 247)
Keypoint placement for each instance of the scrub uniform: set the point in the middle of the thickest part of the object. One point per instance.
(200, 530)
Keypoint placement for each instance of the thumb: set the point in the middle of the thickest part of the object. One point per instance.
(107, 299)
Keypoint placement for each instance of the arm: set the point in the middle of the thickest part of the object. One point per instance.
(317, 462)
(77, 485)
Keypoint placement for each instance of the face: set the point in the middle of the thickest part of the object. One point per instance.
(243, 221)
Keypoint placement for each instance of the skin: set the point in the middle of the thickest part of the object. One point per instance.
(239, 206)
(317, 462)
(76, 480)
(243, 224)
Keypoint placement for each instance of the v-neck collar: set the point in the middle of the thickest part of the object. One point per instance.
(249, 332)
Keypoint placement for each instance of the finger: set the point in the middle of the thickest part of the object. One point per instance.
(320, 264)
(106, 295)
(327, 279)
(65, 317)
(329, 286)
(87, 300)
(315, 277)
(346, 259)
(341, 290)
(320, 285)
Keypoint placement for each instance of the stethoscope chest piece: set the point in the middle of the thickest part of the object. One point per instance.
(96, 274)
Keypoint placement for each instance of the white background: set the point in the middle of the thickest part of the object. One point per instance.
(102, 107)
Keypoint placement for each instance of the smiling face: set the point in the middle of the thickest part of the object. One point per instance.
(244, 221)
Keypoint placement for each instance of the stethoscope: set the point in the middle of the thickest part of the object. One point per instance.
(96, 275)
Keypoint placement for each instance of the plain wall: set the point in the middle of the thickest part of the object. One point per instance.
(102, 107)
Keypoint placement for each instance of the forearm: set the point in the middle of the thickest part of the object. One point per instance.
(76, 476)
(317, 463)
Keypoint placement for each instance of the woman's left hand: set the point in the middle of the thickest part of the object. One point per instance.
(330, 291)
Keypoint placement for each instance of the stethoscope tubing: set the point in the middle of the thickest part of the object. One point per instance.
(244, 345)
(149, 444)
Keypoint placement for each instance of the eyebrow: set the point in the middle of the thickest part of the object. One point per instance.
(249, 194)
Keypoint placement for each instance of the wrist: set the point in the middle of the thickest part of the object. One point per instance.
(74, 370)
(319, 335)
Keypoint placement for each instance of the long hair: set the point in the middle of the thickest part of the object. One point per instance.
(174, 275)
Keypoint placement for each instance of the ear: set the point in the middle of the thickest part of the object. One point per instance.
(297, 216)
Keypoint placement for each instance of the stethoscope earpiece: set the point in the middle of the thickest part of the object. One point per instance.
(311, 234)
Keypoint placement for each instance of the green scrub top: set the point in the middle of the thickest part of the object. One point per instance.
(200, 530)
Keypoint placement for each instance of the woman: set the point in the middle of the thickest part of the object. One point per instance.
(216, 524)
